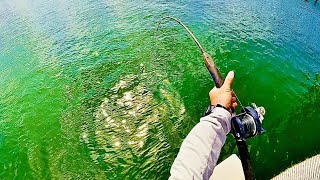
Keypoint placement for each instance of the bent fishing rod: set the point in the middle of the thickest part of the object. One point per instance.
(245, 125)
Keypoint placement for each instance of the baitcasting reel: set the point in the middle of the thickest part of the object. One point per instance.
(249, 123)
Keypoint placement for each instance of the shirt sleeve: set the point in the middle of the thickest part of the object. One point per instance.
(200, 150)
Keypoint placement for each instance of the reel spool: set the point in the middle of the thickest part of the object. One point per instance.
(249, 123)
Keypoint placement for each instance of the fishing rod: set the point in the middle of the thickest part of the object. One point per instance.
(245, 125)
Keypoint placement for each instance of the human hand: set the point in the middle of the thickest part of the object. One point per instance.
(224, 95)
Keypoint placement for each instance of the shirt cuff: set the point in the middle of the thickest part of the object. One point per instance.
(221, 115)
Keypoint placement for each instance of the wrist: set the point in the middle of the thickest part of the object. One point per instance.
(211, 107)
(219, 105)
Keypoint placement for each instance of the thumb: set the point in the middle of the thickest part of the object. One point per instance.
(228, 81)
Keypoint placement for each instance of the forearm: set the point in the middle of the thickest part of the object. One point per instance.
(200, 150)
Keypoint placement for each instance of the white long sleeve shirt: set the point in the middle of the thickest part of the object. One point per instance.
(200, 150)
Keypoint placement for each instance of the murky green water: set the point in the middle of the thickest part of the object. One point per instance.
(86, 91)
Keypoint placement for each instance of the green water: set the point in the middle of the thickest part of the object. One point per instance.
(88, 91)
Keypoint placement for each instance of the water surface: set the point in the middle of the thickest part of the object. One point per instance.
(89, 91)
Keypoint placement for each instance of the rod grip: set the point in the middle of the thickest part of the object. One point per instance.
(245, 159)
(214, 71)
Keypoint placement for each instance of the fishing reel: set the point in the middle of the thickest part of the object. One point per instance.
(248, 123)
